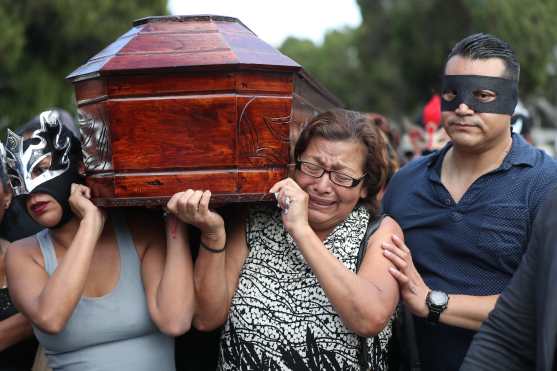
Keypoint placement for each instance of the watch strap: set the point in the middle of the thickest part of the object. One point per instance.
(433, 315)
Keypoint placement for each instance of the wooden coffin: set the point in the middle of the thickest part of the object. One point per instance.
(190, 102)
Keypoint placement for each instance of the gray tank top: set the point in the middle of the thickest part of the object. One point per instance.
(113, 332)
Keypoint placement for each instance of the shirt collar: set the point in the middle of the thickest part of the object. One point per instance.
(438, 155)
(522, 153)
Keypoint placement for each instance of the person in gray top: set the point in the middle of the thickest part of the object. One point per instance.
(104, 291)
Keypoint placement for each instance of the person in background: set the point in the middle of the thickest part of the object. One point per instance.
(466, 210)
(436, 136)
(431, 121)
(17, 344)
(522, 122)
(283, 279)
(521, 332)
(412, 144)
(18, 224)
(103, 290)
(390, 136)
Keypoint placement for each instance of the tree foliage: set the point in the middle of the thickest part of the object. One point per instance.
(42, 41)
(335, 64)
(395, 58)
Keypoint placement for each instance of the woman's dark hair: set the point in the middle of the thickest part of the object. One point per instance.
(343, 125)
(485, 46)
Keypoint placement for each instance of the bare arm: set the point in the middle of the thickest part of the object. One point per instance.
(468, 311)
(167, 272)
(50, 301)
(14, 329)
(464, 311)
(365, 301)
(216, 274)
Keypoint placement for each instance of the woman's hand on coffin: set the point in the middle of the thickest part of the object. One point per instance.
(81, 205)
(192, 207)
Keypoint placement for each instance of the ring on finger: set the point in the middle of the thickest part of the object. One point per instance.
(287, 201)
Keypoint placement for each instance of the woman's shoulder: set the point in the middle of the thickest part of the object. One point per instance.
(26, 244)
(25, 249)
(388, 227)
(391, 224)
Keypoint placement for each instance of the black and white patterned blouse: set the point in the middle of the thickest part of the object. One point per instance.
(280, 318)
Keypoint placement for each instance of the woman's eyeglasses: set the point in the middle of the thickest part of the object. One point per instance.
(338, 178)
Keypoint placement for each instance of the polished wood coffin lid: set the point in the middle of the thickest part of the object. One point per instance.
(190, 102)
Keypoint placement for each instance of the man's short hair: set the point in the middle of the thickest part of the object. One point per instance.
(485, 46)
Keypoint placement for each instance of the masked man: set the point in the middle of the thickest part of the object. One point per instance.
(467, 209)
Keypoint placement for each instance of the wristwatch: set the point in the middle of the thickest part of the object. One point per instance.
(437, 302)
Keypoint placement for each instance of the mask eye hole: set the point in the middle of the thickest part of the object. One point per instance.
(41, 167)
(31, 141)
(485, 96)
(449, 95)
(14, 182)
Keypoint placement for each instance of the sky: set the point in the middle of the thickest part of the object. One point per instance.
(274, 20)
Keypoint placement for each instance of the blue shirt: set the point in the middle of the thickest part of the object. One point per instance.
(471, 247)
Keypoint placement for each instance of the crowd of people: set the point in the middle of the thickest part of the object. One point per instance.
(360, 264)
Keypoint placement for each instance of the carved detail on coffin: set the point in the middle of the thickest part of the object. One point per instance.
(251, 139)
(95, 140)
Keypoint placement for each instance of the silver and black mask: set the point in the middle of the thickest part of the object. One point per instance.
(40, 158)
(3, 168)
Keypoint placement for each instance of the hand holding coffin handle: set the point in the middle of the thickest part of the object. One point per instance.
(192, 207)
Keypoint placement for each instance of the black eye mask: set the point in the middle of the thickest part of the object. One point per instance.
(464, 86)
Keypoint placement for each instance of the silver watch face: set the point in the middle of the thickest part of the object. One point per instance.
(438, 298)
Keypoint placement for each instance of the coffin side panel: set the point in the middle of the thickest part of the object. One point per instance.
(102, 185)
(188, 132)
(90, 90)
(166, 184)
(252, 181)
(170, 84)
(263, 130)
(264, 82)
